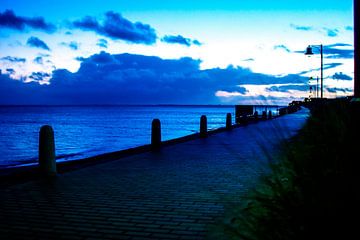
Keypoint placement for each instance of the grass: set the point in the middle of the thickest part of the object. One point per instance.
(312, 191)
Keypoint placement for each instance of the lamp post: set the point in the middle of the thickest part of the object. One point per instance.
(309, 52)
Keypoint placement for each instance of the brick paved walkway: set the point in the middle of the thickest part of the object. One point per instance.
(176, 193)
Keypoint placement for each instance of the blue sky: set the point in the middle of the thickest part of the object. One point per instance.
(240, 51)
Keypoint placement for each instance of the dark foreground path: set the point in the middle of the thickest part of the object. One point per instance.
(176, 193)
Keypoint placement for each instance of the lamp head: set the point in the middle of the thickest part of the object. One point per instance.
(309, 51)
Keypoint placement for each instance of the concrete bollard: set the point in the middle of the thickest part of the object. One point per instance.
(228, 121)
(203, 126)
(256, 115)
(270, 115)
(156, 134)
(264, 116)
(47, 161)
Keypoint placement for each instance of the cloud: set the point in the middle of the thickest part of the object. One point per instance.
(334, 52)
(8, 19)
(105, 78)
(102, 43)
(331, 32)
(37, 43)
(283, 47)
(249, 60)
(119, 28)
(196, 42)
(80, 59)
(341, 76)
(10, 71)
(39, 76)
(301, 28)
(180, 40)
(343, 90)
(38, 60)
(330, 65)
(239, 92)
(349, 28)
(339, 45)
(72, 45)
(287, 88)
(13, 59)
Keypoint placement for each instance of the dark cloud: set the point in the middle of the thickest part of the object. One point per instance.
(341, 76)
(105, 78)
(102, 43)
(180, 40)
(39, 76)
(249, 60)
(339, 45)
(331, 65)
(287, 88)
(240, 75)
(37, 43)
(334, 52)
(301, 28)
(72, 45)
(325, 66)
(343, 90)
(38, 60)
(282, 47)
(196, 42)
(332, 32)
(80, 59)
(13, 59)
(8, 19)
(10, 71)
(117, 27)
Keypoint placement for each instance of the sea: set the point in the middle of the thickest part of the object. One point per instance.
(85, 131)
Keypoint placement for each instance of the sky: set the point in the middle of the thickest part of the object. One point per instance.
(173, 52)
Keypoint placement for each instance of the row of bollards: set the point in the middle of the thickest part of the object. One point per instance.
(47, 157)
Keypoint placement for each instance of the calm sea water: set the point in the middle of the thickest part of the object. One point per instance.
(88, 131)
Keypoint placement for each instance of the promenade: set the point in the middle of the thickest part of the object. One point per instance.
(178, 192)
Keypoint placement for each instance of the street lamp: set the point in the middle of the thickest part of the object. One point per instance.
(309, 52)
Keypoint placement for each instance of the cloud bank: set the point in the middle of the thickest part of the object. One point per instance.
(105, 78)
